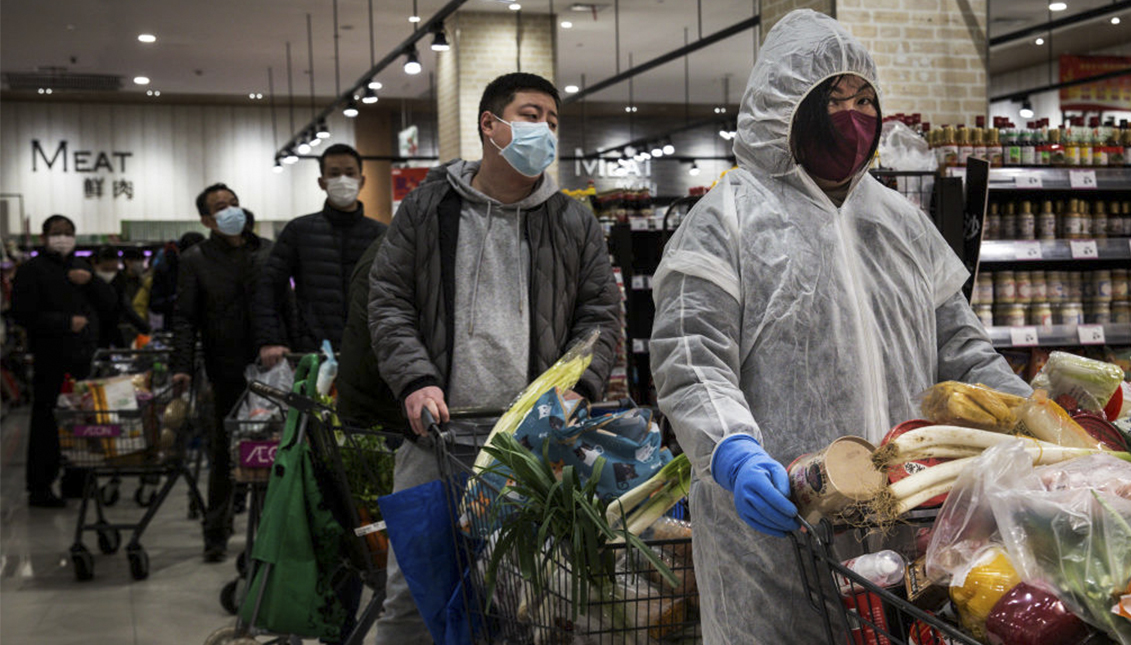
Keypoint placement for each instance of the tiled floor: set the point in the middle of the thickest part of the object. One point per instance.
(41, 603)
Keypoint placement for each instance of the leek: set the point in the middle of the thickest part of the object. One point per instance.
(640, 507)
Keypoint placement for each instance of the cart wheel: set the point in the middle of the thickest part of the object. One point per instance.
(109, 540)
(229, 636)
(139, 562)
(144, 496)
(229, 597)
(241, 564)
(83, 562)
(110, 494)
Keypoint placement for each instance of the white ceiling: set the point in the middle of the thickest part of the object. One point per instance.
(224, 47)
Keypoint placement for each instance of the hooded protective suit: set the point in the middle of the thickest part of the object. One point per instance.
(781, 316)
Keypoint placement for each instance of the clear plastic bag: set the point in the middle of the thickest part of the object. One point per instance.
(901, 149)
(257, 408)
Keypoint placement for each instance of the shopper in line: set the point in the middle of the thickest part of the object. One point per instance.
(216, 280)
(59, 301)
(800, 301)
(130, 279)
(108, 268)
(485, 277)
(318, 252)
(163, 290)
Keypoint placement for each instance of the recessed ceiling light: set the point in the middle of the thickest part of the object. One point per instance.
(571, 89)
(414, 19)
(147, 38)
(567, 24)
(1039, 41)
(141, 80)
(1058, 6)
(514, 6)
(375, 85)
(1115, 20)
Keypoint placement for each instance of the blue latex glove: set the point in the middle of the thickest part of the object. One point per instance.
(760, 484)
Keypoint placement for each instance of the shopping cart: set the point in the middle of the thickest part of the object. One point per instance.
(123, 439)
(634, 608)
(857, 611)
(352, 466)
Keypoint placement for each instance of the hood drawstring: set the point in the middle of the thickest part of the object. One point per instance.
(478, 268)
(521, 267)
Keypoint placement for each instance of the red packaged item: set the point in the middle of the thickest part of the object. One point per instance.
(1027, 615)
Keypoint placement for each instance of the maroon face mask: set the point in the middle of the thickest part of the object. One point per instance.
(837, 160)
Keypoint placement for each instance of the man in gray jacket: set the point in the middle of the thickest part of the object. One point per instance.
(487, 274)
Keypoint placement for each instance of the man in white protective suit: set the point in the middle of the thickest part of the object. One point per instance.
(800, 301)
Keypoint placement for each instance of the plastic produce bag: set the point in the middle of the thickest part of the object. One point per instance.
(901, 149)
(973, 406)
(257, 408)
(1066, 527)
(1081, 382)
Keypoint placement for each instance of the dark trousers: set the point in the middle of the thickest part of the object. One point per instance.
(43, 441)
(226, 391)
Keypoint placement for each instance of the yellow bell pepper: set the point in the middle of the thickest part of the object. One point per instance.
(991, 577)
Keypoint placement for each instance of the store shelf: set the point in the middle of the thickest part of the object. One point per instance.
(1040, 178)
(1115, 248)
(1061, 335)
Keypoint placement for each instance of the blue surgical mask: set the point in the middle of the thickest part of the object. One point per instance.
(231, 220)
(532, 148)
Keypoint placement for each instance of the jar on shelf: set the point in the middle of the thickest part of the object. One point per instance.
(1057, 286)
(1119, 284)
(1023, 286)
(1097, 313)
(1069, 313)
(983, 289)
(1005, 289)
(1121, 312)
(1075, 283)
(985, 313)
(1099, 221)
(1038, 288)
(1101, 285)
(1046, 223)
(1115, 221)
(1085, 220)
(1009, 222)
(993, 223)
(1027, 222)
(1010, 315)
(1071, 221)
(1040, 315)
(1088, 285)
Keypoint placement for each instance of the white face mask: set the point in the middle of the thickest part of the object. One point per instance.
(61, 244)
(342, 191)
(107, 276)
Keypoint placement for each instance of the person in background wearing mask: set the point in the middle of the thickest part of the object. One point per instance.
(59, 301)
(215, 283)
(318, 252)
(110, 332)
(471, 323)
(800, 301)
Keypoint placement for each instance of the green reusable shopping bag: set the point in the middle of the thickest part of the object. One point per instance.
(299, 537)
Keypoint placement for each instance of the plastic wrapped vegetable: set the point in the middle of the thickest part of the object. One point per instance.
(988, 580)
(1046, 420)
(1089, 383)
(974, 406)
(1029, 616)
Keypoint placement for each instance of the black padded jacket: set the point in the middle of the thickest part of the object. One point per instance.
(319, 252)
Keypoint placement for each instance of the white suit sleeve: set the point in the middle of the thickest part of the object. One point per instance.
(966, 353)
(696, 335)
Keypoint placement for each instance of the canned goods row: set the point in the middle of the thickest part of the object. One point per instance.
(1074, 219)
(1027, 287)
(1044, 315)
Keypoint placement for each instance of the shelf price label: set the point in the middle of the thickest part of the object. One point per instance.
(1027, 250)
(1027, 180)
(639, 346)
(641, 282)
(1084, 249)
(1085, 179)
(1023, 336)
(637, 224)
(1091, 334)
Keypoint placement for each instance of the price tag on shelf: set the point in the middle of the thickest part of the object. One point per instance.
(1082, 178)
(1027, 250)
(1023, 336)
(639, 346)
(1027, 180)
(641, 282)
(637, 224)
(1084, 249)
(1091, 334)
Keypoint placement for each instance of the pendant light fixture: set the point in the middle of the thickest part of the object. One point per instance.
(370, 96)
(312, 138)
(351, 109)
(412, 61)
(440, 39)
(289, 157)
(323, 132)
(415, 17)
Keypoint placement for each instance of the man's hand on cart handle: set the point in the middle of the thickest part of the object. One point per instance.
(269, 355)
(78, 276)
(181, 382)
(78, 323)
(430, 397)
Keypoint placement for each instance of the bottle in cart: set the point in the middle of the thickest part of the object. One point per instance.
(883, 568)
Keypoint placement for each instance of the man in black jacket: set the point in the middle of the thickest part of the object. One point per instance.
(107, 268)
(57, 299)
(215, 282)
(486, 275)
(318, 252)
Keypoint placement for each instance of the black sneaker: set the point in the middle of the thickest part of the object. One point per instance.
(45, 499)
(215, 552)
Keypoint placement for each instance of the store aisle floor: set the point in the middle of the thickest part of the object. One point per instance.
(41, 603)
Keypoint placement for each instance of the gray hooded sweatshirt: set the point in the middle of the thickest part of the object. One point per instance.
(491, 353)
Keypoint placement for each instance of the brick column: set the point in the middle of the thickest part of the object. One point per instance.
(931, 55)
(484, 47)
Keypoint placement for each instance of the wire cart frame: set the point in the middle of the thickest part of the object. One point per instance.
(118, 443)
(855, 610)
(635, 608)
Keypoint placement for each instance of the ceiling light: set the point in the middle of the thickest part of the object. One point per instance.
(1058, 6)
(156, 92)
(412, 64)
(315, 142)
(351, 109)
(514, 6)
(258, 96)
(289, 157)
(1026, 109)
(375, 85)
(629, 151)
(414, 19)
(1115, 20)
(1039, 41)
(48, 90)
(370, 97)
(567, 24)
(141, 80)
(571, 89)
(645, 156)
(278, 168)
(657, 150)
(694, 170)
(304, 148)
(323, 132)
(147, 38)
(440, 40)
(669, 148)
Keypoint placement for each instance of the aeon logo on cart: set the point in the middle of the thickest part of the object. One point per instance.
(257, 454)
(112, 430)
